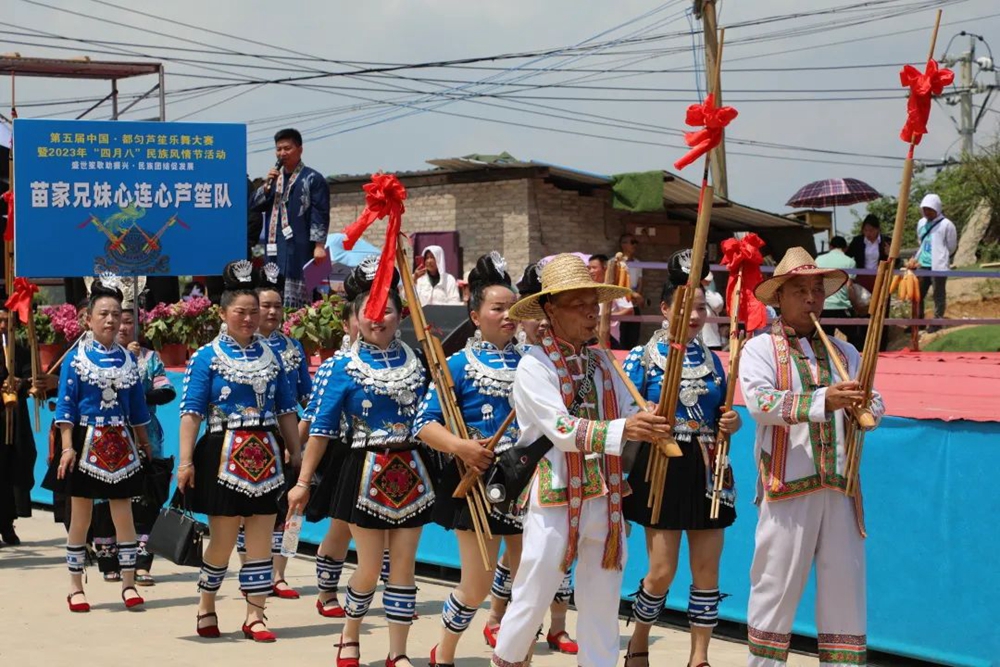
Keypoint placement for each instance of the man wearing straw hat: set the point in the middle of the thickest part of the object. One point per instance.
(569, 395)
(805, 516)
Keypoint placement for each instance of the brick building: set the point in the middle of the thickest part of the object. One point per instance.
(528, 210)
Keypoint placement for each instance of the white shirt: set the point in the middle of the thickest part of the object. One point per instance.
(872, 252)
(710, 333)
(445, 293)
(943, 240)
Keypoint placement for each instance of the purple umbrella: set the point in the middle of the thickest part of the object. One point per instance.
(833, 192)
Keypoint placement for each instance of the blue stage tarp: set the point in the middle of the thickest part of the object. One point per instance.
(932, 588)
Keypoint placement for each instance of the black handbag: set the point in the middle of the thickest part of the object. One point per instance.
(177, 535)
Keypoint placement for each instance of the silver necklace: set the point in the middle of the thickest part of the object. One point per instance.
(110, 380)
(256, 373)
(488, 380)
(291, 358)
(399, 383)
(693, 384)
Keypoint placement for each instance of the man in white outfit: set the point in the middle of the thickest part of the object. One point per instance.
(938, 241)
(805, 516)
(569, 394)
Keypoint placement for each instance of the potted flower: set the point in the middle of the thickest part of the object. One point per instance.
(55, 328)
(318, 327)
(174, 328)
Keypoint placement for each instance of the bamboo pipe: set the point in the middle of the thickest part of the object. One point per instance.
(471, 476)
(862, 415)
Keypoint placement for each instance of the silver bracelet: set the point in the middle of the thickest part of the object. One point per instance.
(184, 465)
(302, 485)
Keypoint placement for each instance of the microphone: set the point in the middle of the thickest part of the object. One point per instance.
(270, 181)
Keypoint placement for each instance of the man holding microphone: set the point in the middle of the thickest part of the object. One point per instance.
(296, 201)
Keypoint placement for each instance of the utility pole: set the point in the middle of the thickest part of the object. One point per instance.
(968, 68)
(705, 10)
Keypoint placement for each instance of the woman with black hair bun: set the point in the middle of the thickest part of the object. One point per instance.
(368, 397)
(689, 484)
(271, 295)
(101, 404)
(238, 385)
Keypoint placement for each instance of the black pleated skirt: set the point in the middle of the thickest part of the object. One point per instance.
(687, 500)
(210, 496)
(80, 484)
(379, 495)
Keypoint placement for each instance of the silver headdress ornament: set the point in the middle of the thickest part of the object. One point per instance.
(369, 266)
(131, 287)
(499, 263)
(271, 272)
(110, 280)
(684, 260)
(243, 271)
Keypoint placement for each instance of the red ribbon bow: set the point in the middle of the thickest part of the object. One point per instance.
(744, 255)
(8, 232)
(20, 299)
(383, 197)
(714, 120)
(923, 86)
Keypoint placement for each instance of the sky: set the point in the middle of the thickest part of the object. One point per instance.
(762, 77)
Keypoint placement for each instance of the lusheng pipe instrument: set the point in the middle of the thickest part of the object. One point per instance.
(863, 417)
(471, 477)
(854, 432)
(680, 314)
(437, 362)
(736, 338)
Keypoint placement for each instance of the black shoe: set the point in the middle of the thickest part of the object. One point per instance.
(9, 536)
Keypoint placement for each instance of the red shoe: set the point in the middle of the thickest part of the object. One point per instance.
(330, 609)
(287, 593)
(208, 631)
(264, 636)
(131, 603)
(391, 662)
(435, 663)
(562, 643)
(348, 662)
(79, 607)
(491, 635)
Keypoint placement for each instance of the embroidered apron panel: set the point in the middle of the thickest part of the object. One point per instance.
(394, 485)
(250, 462)
(109, 454)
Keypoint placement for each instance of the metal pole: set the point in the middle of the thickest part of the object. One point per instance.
(114, 99)
(967, 129)
(163, 98)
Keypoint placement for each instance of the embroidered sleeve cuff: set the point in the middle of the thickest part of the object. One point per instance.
(322, 432)
(317, 235)
(592, 436)
(142, 424)
(817, 408)
(196, 413)
(280, 413)
(65, 421)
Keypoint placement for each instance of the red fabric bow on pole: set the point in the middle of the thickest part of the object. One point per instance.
(744, 255)
(383, 197)
(8, 232)
(20, 299)
(713, 120)
(923, 86)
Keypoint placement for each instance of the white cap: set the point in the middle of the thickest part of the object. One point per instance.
(931, 201)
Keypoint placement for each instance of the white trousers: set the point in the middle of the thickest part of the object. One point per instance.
(791, 535)
(598, 591)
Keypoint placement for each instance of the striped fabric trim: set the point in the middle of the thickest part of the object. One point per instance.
(502, 584)
(497, 661)
(328, 573)
(400, 603)
(257, 577)
(843, 649)
(769, 645)
(127, 553)
(210, 579)
(356, 604)
(455, 616)
(76, 558)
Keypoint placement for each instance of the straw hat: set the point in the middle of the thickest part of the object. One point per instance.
(798, 262)
(564, 273)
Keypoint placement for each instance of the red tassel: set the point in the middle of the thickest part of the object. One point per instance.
(20, 299)
(384, 197)
(923, 87)
(714, 119)
(745, 254)
(8, 232)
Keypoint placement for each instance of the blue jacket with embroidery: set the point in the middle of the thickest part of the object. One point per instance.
(296, 363)
(347, 404)
(212, 392)
(81, 399)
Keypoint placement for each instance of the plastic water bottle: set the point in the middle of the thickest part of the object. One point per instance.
(290, 539)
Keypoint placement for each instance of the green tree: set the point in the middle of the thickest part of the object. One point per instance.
(961, 187)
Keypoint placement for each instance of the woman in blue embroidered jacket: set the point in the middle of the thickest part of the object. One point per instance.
(296, 363)
(368, 397)
(688, 484)
(237, 385)
(100, 397)
(145, 507)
